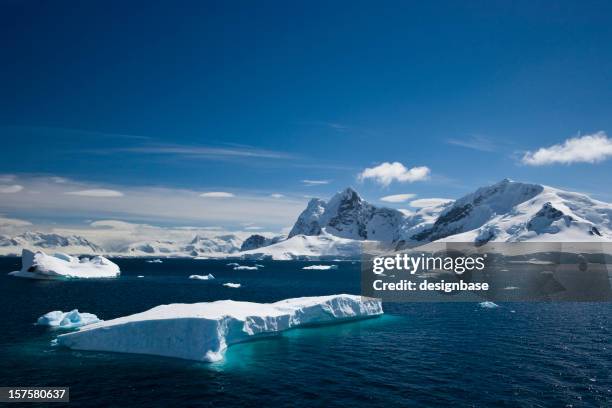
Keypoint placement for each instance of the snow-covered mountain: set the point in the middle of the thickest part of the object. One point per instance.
(347, 215)
(513, 212)
(38, 240)
(257, 241)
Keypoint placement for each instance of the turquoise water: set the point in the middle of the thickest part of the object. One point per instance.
(419, 354)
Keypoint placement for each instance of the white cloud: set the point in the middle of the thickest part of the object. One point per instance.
(276, 195)
(475, 142)
(13, 222)
(582, 149)
(386, 173)
(429, 202)
(7, 178)
(97, 193)
(217, 194)
(397, 198)
(315, 182)
(15, 188)
(253, 228)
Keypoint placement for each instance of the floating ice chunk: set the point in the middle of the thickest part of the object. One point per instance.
(202, 277)
(68, 320)
(38, 265)
(140, 276)
(488, 305)
(155, 261)
(232, 285)
(259, 266)
(245, 268)
(233, 264)
(320, 267)
(203, 331)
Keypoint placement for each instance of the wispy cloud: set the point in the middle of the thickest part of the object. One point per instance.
(192, 151)
(429, 202)
(97, 193)
(475, 142)
(397, 198)
(591, 148)
(157, 205)
(217, 194)
(15, 188)
(276, 195)
(315, 182)
(386, 173)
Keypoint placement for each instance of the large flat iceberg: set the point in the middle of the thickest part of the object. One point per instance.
(38, 265)
(203, 331)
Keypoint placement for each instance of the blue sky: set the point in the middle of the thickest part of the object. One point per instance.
(253, 98)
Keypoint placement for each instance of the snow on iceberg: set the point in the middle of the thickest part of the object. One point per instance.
(320, 267)
(67, 320)
(210, 276)
(232, 285)
(203, 331)
(488, 305)
(38, 265)
(245, 268)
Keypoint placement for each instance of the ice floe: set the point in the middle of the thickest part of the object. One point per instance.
(67, 320)
(210, 276)
(320, 267)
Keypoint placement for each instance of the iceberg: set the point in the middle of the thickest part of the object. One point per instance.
(210, 276)
(488, 305)
(67, 320)
(155, 261)
(38, 265)
(320, 267)
(245, 268)
(232, 285)
(204, 331)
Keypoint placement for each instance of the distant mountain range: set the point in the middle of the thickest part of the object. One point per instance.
(507, 211)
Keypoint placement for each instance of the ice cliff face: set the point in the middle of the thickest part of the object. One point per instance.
(347, 215)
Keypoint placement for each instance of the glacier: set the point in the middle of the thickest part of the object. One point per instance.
(67, 320)
(204, 331)
(38, 265)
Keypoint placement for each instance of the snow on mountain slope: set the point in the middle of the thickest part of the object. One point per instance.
(308, 247)
(204, 331)
(347, 215)
(257, 241)
(511, 211)
(73, 244)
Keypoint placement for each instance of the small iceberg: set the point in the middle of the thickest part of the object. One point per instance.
(155, 261)
(320, 267)
(488, 305)
(204, 331)
(232, 285)
(245, 268)
(233, 264)
(68, 320)
(202, 277)
(38, 265)
(140, 276)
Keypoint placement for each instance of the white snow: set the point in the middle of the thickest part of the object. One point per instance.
(233, 264)
(245, 268)
(67, 320)
(155, 261)
(39, 265)
(308, 247)
(203, 331)
(488, 305)
(202, 277)
(320, 267)
(232, 285)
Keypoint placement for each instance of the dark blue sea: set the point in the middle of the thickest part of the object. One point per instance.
(417, 354)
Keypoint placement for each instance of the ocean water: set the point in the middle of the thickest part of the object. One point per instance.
(417, 354)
